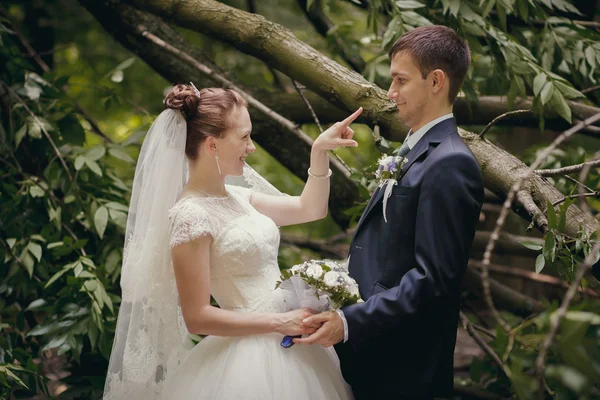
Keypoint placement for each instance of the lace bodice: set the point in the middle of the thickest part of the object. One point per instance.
(243, 254)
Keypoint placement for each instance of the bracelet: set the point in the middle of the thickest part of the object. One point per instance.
(319, 176)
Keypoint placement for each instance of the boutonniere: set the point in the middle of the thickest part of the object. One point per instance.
(387, 172)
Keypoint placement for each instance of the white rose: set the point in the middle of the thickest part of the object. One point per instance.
(353, 289)
(297, 268)
(314, 271)
(331, 279)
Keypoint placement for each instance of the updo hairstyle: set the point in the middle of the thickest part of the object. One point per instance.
(207, 115)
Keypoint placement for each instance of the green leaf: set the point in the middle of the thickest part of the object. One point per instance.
(590, 55)
(44, 329)
(11, 242)
(93, 334)
(413, 19)
(55, 244)
(96, 153)
(532, 245)
(551, 215)
(28, 262)
(79, 161)
(36, 191)
(454, 6)
(32, 89)
(36, 250)
(36, 126)
(560, 104)
(78, 269)
(112, 260)
(126, 64)
(93, 166)
(7, 370)
(538, 83)
(409, 4)
(36, 304)
(523, 8)
(39, 238)
(20, 135)
(118, 217)
(55, 277)
(547, 92)
(101, 220)
(117, 206)
(502, 17)
(120, 154)
(583, 316)
(540, 261)
(90, 285)
(394, 29)
(55, 342)
(88, 262)
(568, 91)
(117, 76)
(570, 377)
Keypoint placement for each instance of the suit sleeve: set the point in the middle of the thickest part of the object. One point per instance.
(450, 200)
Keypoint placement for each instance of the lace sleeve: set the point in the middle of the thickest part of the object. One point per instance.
(188, 223)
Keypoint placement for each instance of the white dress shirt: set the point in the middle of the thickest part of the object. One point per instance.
(412, 140)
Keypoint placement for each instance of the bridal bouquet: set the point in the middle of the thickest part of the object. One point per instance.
(320, 285)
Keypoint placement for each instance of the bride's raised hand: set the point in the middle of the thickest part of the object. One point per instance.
(290, 323)
(338, 135)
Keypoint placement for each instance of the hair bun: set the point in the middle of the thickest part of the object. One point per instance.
(183, 98)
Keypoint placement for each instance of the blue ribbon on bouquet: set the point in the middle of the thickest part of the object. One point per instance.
(287, 341)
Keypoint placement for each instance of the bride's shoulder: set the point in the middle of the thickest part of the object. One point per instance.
(239, 191)
(185, 206)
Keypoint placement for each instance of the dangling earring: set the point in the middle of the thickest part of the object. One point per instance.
(218, 166)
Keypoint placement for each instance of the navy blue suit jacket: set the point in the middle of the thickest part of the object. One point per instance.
(409, 270)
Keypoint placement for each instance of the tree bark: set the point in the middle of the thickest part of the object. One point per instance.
(278, 47)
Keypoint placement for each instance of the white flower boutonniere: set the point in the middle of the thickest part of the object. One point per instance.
(387, 172)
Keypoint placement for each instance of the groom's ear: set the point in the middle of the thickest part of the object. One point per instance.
(438, 80)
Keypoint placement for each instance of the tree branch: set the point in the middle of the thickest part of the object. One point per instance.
(582, 177)
(482, 110)
(576, 196)
(501, 117)
(541, 278)
(568, 170)
(504, 296)
(482, 344)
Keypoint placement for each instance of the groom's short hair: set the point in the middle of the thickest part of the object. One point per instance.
(436, 47)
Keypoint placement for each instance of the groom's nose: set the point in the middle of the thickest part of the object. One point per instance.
(392, 94)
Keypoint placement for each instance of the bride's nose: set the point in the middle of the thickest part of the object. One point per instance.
(251, 147)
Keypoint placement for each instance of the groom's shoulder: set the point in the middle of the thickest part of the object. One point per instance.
(454, 155)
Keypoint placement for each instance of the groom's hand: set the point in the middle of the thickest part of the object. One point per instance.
(330, 333)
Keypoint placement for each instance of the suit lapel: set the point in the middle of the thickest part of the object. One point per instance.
(433, 137)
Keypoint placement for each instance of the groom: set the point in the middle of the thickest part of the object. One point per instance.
(399, 343)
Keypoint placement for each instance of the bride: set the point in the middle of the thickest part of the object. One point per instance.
(201, 223)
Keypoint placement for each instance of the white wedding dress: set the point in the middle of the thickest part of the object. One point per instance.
(243, 273)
